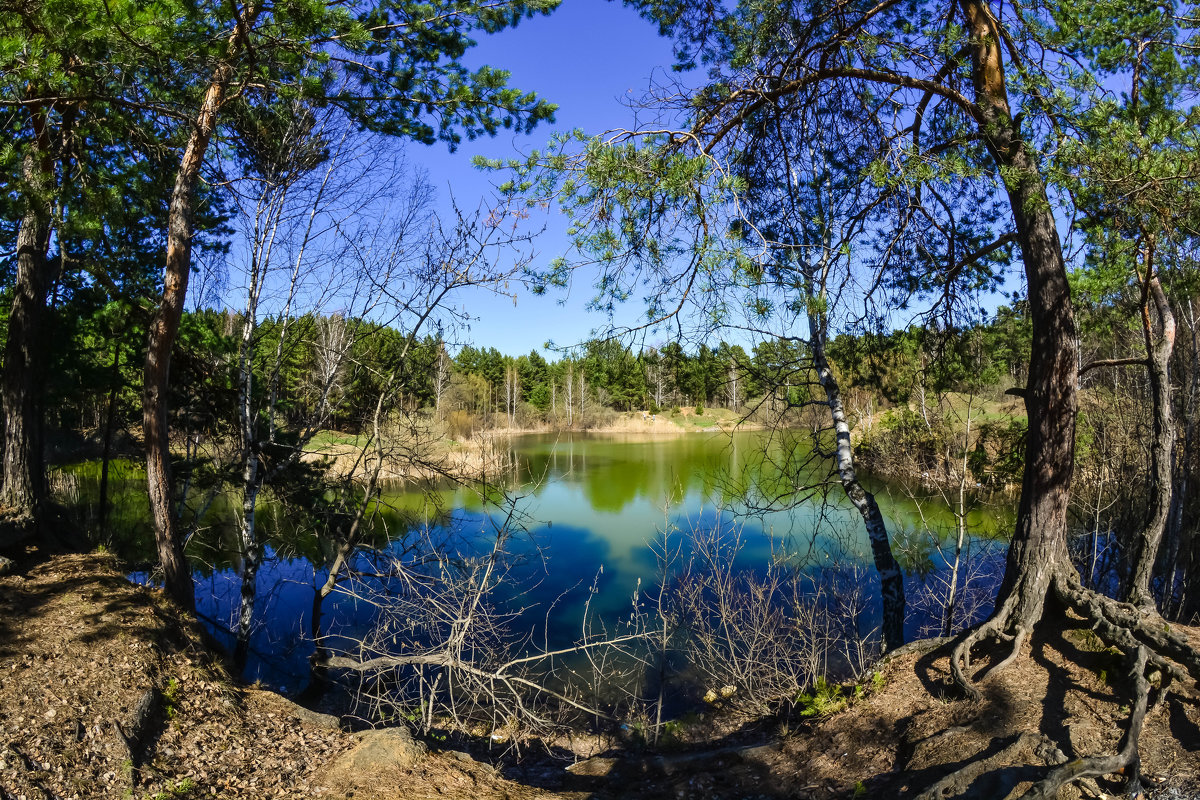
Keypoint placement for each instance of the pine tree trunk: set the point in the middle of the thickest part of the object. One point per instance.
(164, 328)
(24, 479)
(1038, 552)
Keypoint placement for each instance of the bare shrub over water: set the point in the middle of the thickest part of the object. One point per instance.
(755, 637)
(446, 652)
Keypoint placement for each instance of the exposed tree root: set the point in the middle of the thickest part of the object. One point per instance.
(957, 782)
(1127, 626)
(1150, 643)
(136, 730)
(994, 627)
(1124, 760)
(1118, 624)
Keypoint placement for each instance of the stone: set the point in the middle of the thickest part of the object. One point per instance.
(15, 528)
(380, 757)
(316, 718)
(593, 767)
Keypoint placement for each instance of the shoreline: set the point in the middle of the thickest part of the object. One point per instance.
(481, 453)
(486, 452)
(110, 690)
(662, 424)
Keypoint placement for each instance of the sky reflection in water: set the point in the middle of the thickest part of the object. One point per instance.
(594, 505)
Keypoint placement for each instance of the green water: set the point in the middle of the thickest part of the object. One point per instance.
(624, 491)
(591, 510)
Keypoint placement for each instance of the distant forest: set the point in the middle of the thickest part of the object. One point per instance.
(97, 378)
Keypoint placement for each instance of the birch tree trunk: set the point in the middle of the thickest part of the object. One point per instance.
(960, 521)
(891, 579)
(441, 378)
(569, 397)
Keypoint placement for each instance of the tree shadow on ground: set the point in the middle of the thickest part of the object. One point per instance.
(1186, 731)
(756, 760)
(1054, 715)
(105, 605)
(622, 773)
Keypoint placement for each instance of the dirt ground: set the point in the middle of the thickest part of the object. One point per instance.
(106, 692)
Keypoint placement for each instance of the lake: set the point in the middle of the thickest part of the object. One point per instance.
(592, 512)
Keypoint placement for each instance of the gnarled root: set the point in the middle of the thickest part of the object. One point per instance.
(1128, 627)
(1151, 644)
(995, 627)
(1125, 759)
(956, 783)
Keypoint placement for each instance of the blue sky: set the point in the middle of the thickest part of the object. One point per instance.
(592, 58)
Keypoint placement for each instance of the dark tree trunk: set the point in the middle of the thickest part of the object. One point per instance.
(317, 672)
(1144, 546)
(1039, 547)
(1183, 569)
(110, 421)
(24, 479)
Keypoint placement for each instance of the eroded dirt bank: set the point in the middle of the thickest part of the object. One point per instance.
(106, 692)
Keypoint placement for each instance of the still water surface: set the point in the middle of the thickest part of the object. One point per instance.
(593, 507)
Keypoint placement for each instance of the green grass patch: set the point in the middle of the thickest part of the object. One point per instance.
(331, 439)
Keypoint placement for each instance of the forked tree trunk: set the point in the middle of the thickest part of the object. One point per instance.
(349, 537)
(960, 521)
(1145, 544)
(165, 325)
(24, 479)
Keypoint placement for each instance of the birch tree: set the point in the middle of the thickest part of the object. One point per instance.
(441, 375)
(416, 282)
(300, 203)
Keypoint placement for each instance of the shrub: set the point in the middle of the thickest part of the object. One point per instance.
(699, 411)
(822, 700)
(460, 424)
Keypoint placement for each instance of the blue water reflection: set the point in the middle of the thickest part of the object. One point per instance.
(597, 509)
